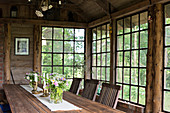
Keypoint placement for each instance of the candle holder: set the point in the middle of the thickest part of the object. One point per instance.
(45, 93)
(35, 85)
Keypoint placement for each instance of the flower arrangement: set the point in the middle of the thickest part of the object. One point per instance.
(33, 76)
(57, 83)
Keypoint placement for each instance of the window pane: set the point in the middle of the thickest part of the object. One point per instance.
(46, 46)
(108, 74)
(103, 73)
(98, 59)
(68, 34)
(143, 58)
(134, 58)
(126, 42)
(142, 77)
(166, 100)
(167, 57)
(104, 31)
(127, 25)
(98, 32)
(98, 73)
(79, 47)
(94, 33)
(104, 45)
(79, 72)
(79, 59)
(46, 69)
(144, 39)
(135, 23)
(126, 92)
(120, 27)
(108, 35)
(119, 58)
(142, 96)
(68, 59)
(94, 60)
(46, 32)
(126, 75)
(79, 34)
(108, 59)
(46, 59)
(68, 71)
(134, 76)
(134, 94)
(58, 70)
(104, 59)
(127, 58)
(167, 79)
(120, 43)
(57, 59)
(135, 40)
(144, 20)
(120, 94)
(58, 46)
(98, 46)
(119, 74)
(94, 73)
(167, 14)
(108, 44)
(58, 33)
(68, 47)
(94, 47)
(167, 35)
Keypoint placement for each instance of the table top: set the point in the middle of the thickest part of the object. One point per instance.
(22, 101)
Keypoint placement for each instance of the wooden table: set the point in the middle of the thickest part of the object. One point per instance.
(22, 101)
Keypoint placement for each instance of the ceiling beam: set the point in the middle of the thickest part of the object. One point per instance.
(103, 5)
(74, 8)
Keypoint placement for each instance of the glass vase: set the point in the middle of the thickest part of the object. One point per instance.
(58, 98)
(52, 97)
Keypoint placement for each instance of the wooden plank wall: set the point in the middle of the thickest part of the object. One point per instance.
(21, 64)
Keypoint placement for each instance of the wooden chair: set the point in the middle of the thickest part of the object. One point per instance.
(109, 95)
(90, 89)
(75, 86)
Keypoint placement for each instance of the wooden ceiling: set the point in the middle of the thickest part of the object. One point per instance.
(89, 10)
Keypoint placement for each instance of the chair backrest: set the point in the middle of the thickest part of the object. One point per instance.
(90, 89)
(109, 95)
(75, 86)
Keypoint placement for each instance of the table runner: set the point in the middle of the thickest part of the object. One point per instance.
(64, 106)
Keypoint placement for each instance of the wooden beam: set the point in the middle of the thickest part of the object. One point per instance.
(103, 5)
(88, 53)
(44, 22)
(37, 48)
(7, 64)
(77, 10)
(155, 61)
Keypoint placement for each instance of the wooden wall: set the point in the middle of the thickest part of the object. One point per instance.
(21, 64)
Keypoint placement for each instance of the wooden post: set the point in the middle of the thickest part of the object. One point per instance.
(88, 53)
(7, 64)
(154, 60)
(112, 51)
(37, 48)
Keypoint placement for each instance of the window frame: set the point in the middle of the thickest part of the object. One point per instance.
(63, 52)
(138, 67)
(100, 53)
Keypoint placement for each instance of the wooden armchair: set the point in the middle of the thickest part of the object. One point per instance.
(75, 86)
(109, 95)
(90, 89)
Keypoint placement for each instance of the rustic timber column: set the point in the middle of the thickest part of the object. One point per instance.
(112, 50)
(88, 53)
(155, 60)
(37, 48)
(7, 64)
